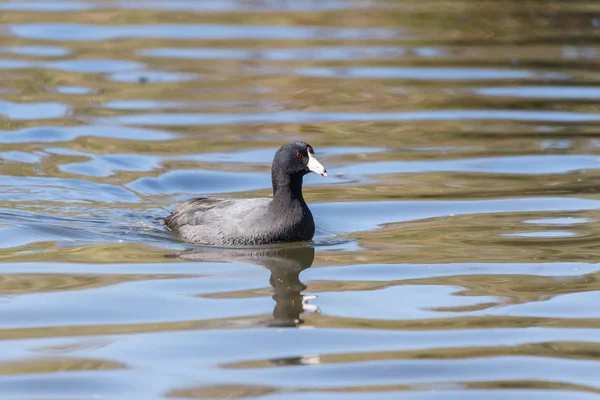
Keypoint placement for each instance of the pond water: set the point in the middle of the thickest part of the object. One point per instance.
(457, 245)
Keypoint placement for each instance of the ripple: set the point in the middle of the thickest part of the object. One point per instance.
(541, 234)
(192, 6)
(568, 305)
(46, 6)
(16, 64)
(29, 233)
(522, 165)
(430, 73)
(93, 66)
(416, 302)
(542, 92)
(21, 157)
(69, 385)
(559, 221)
(29, 111)
(158, 298)
(395, 372)
(49, 365)
(82, 32)
(75, 90)
(222, 269)
(181, 119)
(158, 105)
(244, 6)
(84, 66)
(103, 165)
(68, 133)
(390, 273)
(201, 182)
(152, 76)
(16, 189)
(345, 53)
(332, 216)
(432, 391)
(274, 344)
(42, 51)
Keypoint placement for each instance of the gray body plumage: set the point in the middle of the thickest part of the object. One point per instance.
(240, 222)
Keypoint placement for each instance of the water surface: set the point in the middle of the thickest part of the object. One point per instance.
(456, 254)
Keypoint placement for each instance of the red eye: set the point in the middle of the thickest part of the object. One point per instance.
(299, 155)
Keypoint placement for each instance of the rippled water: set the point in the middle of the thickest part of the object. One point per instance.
(456, 253)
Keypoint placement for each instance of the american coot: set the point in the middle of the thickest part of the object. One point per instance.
(242, 222)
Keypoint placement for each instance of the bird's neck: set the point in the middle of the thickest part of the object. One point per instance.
(286, 187)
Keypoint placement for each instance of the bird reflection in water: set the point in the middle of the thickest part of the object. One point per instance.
(285, 262)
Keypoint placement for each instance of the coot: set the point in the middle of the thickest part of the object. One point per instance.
(243, 222)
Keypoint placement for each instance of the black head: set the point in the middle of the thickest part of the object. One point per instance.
(296, 158)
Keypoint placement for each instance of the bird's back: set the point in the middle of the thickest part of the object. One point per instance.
(218, 221)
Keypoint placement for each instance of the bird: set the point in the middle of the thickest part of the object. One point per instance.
(256, 221)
